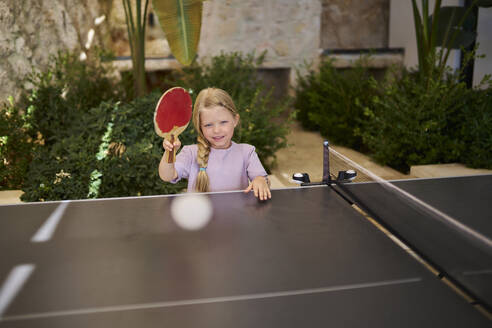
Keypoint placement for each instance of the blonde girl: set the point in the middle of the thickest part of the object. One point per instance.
(215, 162)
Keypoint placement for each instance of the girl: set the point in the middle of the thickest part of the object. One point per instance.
(216, 163)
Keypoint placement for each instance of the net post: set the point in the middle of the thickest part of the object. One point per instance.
(326, 162)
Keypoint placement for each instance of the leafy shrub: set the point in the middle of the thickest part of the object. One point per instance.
(16, 144)
(66, 89)
(262, 124)
(113, 151)
(57, 97)
(475, 130)
(415, 123)
(131, 167)
(333, 101)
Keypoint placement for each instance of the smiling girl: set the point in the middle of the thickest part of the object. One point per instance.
(216, 163)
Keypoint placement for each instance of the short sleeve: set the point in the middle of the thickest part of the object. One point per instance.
(254, 168)
(184, 160)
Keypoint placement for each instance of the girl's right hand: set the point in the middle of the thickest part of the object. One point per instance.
(169, 146)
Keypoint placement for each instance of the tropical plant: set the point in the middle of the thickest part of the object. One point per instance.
(135, 24)
(180, 21)
(449, 27)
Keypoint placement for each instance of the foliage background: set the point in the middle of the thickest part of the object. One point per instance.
(403, 120)
(77, 134)
(89, 140)
(332, 101)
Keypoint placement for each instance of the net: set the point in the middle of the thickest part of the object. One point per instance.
(403, 211)
(340, 163)
(390, 193)
(457, 243)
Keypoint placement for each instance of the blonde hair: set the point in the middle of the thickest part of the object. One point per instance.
(208, 97)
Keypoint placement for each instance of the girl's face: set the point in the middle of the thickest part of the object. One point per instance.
(217, 124)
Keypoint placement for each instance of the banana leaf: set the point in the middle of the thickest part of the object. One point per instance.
(181, 21)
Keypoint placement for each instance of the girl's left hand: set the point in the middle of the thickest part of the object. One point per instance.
(260, 188)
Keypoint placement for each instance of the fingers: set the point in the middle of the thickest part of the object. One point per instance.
(249, 188)
(177, 144)
(261, 192)
(256, 191)
(168, 146)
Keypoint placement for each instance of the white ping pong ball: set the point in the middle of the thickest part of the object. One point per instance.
(191, 211)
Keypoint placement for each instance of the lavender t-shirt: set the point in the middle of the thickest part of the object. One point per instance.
(228, 169)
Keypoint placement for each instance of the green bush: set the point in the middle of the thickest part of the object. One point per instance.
(113, 151)
(264, 123)
(65, 90)
(475, 130)
(16, 145)
(412, 123)
(56, 99)
(333, 101)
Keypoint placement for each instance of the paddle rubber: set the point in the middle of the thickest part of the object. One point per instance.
(172, 115)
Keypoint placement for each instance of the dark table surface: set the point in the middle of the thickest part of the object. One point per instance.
(305, 258)
(466, 200)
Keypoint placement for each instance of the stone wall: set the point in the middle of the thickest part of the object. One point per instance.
(354, 24)
(291, 32)
(287, 30)
(32, 30)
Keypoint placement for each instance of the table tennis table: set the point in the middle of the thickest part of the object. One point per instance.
(305, 258)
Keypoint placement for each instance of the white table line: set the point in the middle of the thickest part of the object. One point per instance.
(13, 284)
(46, 231)
(168, 304)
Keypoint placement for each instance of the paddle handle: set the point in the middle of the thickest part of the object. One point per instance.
(172, 136)
(171, 155)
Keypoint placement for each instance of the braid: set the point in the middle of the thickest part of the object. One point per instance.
(202, 181)
(206, 98)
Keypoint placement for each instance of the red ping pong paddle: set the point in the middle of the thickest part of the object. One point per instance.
(172, 115)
